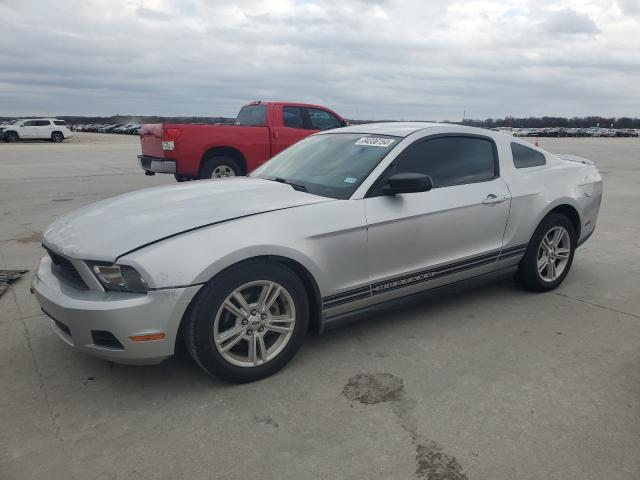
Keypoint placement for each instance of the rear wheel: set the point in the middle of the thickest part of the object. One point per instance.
(57, 137)
(549, 255)
(11, 137)
(219, 167)
(248, 322)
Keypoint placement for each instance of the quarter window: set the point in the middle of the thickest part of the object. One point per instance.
(450, 160)
(322, 120)
(292, 117)
(524, 157)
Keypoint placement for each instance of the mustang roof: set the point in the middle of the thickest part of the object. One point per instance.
(398, 129)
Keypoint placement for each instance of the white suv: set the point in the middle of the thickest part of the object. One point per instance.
(37, 128)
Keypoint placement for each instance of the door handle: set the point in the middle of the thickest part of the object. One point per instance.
(493, 199)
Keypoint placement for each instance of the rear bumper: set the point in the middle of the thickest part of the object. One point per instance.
(157, 165)
(76, 316)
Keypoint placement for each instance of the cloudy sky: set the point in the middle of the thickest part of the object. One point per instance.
(400, 59)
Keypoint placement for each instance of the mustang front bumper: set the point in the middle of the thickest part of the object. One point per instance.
(101, 323)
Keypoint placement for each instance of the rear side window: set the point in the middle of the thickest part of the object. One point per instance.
(524, 157)
(42, 123)
(252, 115)
(292, 117)
(450, 160)
(60, 122)
(322, 120)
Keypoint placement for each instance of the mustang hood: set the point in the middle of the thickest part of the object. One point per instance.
(107, 229)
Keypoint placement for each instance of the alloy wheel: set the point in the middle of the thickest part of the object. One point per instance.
(553, 253)
(222, 171)
(254, 323)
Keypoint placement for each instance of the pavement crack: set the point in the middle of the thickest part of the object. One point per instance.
(564, 295)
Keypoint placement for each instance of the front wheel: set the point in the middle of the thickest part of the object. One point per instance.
(549, 255)
(11, 137)
(57, 137)
(248, 322)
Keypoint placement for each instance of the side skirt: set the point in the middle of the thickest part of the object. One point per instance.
(342, 319)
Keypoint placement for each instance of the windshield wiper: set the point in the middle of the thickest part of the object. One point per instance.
(296, 186)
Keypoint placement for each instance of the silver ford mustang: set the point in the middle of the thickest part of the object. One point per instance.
(340, 222)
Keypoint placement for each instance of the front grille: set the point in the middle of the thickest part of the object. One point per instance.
(102, 338)
(62, 268)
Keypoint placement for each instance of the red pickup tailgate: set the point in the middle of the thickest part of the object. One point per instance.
(151, 140)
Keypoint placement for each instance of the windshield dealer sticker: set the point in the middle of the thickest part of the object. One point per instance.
(375, 141)
(350, 180)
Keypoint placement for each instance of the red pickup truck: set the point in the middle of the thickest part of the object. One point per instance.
(262, 129)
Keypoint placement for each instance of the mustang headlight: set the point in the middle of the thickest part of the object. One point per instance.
(121, 278)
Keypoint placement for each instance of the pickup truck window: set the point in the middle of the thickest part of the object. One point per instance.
(322, 120)
(292, 117)
(330, 165)
(252, 115)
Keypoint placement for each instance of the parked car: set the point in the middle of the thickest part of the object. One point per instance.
(133, 128)
(341, 222)
(261, 130)
(37, 128)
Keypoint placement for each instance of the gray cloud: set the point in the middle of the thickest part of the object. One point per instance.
(568, 21)
(382, 58)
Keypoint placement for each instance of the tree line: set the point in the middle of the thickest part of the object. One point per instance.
(524, 122)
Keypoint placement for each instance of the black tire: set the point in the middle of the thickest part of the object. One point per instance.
(11, 137)
(181, 178)
(213, 163)
(528, 275)
(57, 137)
(198, 331)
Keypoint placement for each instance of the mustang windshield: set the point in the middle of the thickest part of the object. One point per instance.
(331, 165)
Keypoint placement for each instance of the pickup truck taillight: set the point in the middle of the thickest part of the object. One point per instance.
(168, 137)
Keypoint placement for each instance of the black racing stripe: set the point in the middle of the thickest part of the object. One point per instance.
(435, 275)
(517, 247)
(512, 254)
(489, 256)
(335, 303)
(422, 276)
(348, 293)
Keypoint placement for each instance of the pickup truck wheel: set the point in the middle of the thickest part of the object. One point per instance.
(248, 322)
(181, 178)
(11, 137)
(219, 167)
(57, 137)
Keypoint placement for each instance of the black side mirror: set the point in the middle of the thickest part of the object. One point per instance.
(407, 183)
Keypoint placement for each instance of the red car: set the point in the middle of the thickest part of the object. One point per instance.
(262, 129)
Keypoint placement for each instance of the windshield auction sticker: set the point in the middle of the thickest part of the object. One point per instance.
(375, 141)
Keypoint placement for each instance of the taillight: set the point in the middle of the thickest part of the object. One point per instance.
(170, 134)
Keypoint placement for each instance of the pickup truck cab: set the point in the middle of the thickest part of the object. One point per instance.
(261, 130)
